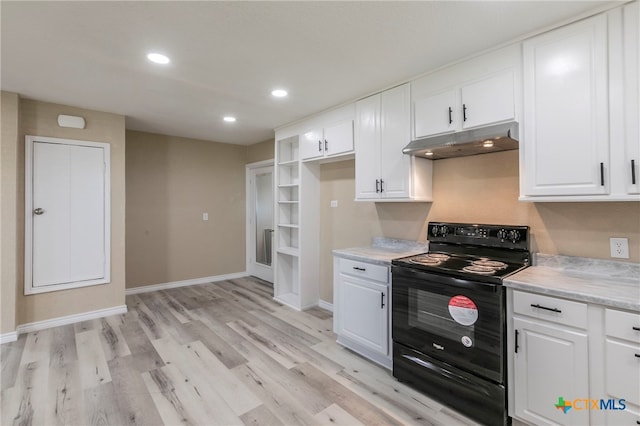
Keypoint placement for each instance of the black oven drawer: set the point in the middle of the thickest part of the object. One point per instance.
(477, 398)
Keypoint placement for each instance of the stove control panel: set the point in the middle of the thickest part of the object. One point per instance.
(515, 237)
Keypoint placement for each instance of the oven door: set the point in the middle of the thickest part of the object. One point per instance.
(459, 322)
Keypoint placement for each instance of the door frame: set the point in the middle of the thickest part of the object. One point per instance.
(28, 215)
(248, 219)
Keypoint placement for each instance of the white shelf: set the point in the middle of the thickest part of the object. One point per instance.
(289, 251)
(288, 225)
(288, 202)
(289, 163)
(289, 299)
(288, 185)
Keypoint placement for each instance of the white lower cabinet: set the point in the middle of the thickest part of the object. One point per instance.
(550, 363)
(361, 318)
(586, 354)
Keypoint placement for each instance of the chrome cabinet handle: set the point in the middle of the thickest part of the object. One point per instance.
(38, 211)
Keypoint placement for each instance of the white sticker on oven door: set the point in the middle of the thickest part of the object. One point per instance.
(466, 340)
(463, 310)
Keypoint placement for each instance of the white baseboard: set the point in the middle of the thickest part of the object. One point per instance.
(70, 319)
(9, 337)
(325, 305)
(175, 284)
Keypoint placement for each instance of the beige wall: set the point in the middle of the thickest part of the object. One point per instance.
(171, 181)
(40, 119)
(8, 210)
(260, 151)
(481, 189)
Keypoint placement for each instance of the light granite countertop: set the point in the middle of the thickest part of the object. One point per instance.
(609, 283)
(382, 250)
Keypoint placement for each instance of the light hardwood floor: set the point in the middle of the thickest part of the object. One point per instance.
(215, 354)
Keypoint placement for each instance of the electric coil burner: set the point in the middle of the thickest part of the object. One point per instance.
(448, 316)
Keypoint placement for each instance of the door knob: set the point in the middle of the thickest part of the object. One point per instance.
(38, 211)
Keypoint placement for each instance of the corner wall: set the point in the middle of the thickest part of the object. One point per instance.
(9, 123)
(171, 182)
(40, 119)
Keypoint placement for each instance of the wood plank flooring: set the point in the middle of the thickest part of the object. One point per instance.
(216, 354)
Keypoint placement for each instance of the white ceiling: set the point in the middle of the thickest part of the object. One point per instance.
(228, 56)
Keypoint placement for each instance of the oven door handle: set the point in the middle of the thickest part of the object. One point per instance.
(462, 381)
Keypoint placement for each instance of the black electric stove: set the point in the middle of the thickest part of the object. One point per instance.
(449, 316)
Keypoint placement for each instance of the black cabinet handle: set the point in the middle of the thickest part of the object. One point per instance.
(601, 174)
(381, 185)
(517, 341)
(359, 269)
(636, 328)
(637, 355)
(319, 146)
(464, 112)
(377, 186)
(451, 117)
(545, 308)
(633, 172)
(382, 302)
(326, 145)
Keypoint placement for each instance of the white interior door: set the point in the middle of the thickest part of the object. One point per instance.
(67, 214)
(260, 221)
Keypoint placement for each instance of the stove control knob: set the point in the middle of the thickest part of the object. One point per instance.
(502, 234)
(434, 230)
(514, 236)
(444, 230)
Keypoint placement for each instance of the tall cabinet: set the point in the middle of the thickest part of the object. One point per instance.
(296, 246)
(581, 128)
(383, 171)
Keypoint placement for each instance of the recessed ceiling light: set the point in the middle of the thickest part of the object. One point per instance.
(229, 119)
(158, 58)
(428, 153)
(279, 93)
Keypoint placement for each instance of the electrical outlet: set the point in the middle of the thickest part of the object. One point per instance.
(619, 247)
(205, 216)
(334, 203)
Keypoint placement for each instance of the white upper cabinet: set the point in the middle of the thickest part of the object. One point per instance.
(566, 110)
(383, 172)
(487, 101)
(332, 139)
(475, 93)
(581, 111)
(434, 114)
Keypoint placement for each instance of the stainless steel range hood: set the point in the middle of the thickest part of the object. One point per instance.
(499, 137)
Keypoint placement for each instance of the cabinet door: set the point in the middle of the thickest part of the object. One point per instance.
(488, 101)
(364, 313)
(367, 144)
(435, 114)
(550, 363)
(566, 110)
(395, 122)
(311, 144)
(631, 90)
(339, 138)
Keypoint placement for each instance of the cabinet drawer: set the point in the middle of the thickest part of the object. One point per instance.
(365, 270)
(622, 371)
(552, 309)
(623, 325)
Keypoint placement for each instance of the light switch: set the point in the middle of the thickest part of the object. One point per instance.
(334, 203)
(205, 216)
